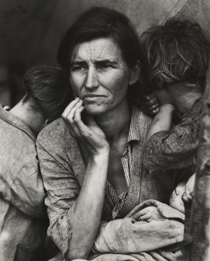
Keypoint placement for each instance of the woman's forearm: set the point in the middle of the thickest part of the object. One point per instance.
(85, 216)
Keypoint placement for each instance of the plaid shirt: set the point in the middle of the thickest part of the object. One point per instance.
(119, 200)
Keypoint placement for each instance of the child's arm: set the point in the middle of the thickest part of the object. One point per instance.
(176, 148)
(162, 121)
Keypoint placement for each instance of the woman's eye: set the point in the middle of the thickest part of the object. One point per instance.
(104, 66)
(78, 68)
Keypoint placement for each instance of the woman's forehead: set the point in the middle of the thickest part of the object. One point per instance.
(97, 49)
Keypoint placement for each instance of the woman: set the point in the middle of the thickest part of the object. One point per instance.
(91, 160)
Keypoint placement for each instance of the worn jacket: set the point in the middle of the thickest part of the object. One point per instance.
(63, 164)
(22, 211)
(177, 148)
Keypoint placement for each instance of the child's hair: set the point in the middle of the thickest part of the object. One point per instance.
(177, 52)
(49, 88)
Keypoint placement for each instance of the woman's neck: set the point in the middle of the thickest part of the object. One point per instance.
(115, 123)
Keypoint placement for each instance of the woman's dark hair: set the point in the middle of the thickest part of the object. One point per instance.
(177, 52)
(49, 88)
(103, 22)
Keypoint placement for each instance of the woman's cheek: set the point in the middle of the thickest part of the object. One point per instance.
(76, 84)
(75, 94)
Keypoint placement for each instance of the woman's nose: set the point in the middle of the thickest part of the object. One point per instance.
(91, 80)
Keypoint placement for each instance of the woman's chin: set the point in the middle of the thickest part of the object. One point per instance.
(94, 109)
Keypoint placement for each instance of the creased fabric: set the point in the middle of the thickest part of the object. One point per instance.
(131, 235)
(177, 148)
(163, 255)
(23, 217)
(63, 164)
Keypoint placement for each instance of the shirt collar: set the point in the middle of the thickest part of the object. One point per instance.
(16, 122)
(134, 124)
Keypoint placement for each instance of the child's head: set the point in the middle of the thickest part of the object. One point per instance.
(49, 89)
(177, 52)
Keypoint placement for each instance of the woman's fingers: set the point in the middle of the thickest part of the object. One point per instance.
(164, 255)
(69, 107)
(70, 112)
(77, 122)
(77, 114)
(157, 256)
(139, 215)
(6, 108)
(171, 256)
(89, 132)
(82, 128)
(74, 108)
(145, 217)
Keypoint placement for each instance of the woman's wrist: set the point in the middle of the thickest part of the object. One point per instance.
(102, 153)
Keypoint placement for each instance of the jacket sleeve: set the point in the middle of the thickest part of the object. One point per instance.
(176, 149)
(21, 184)
(60, 183)
(131, 235)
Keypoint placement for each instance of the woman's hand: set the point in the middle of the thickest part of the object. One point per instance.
(90, 134)
(92, 192)
(149, 213)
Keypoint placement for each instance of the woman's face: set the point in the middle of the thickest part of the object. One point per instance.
(99, 75)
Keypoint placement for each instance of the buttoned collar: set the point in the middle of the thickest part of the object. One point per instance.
(134, 124)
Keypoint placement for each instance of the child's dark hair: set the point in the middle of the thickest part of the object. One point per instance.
(50, 89)
(177, 52)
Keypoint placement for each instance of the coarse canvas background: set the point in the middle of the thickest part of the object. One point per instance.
(31, 30)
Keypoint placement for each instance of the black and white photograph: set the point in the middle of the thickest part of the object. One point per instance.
(104, 130)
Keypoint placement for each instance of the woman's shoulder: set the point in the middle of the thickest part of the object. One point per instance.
(139, 115)
(55, 133)
(55, 127)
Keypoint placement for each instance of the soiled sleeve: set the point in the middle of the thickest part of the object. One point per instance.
(176, 149)
(27, 192)
(129, 235)
(20, 179)
(59, 180)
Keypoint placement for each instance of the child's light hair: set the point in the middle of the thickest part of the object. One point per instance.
(177, 52)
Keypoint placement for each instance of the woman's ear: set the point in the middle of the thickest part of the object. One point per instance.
(135, 73)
